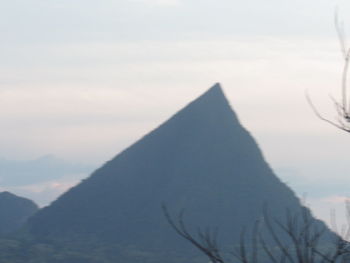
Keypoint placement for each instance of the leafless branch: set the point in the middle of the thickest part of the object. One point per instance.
(294, 240)
(342, 107)
(206, 241)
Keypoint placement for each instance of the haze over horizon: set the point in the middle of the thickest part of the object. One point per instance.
(94, 77)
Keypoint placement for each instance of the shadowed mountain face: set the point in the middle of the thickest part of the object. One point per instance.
(201, 160)
(14, 211)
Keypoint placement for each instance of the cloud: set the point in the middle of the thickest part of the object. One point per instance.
(53, 186)
(135, 20)
(45, 192)
(42, 179)
(334, 200)
(159, 2)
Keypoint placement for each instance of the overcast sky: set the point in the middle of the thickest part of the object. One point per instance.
(84, 79)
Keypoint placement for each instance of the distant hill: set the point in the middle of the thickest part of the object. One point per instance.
(201, 160)
(14, 211)
(48, 167)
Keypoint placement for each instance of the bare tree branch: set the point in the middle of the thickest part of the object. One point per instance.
(206, 241)
(342, 107)
(300, 242)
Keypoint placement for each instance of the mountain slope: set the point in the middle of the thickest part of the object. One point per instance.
(14, 211)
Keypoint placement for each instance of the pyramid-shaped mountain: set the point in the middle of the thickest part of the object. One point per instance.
(201, 160)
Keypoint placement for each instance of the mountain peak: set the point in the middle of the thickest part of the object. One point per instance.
(7, 195)
(216, 88)
(209, 109)
(214, 93)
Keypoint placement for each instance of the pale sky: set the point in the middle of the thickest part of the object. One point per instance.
(84, 79)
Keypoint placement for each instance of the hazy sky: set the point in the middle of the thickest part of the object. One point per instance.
(84, 79)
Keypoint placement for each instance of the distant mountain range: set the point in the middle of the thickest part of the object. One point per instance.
(46, 168)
